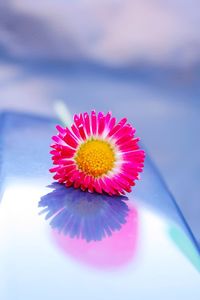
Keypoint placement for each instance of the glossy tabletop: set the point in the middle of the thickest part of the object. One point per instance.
(59, 243)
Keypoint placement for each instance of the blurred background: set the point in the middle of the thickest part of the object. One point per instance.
(138, 58)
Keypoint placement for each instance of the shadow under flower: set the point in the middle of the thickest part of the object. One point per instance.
(98, 230)
(83, 215)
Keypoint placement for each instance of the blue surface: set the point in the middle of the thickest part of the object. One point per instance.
(152, 254)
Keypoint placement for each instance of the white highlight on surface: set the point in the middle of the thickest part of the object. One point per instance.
(63, 113)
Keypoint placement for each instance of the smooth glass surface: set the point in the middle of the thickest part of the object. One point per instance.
(59, 243)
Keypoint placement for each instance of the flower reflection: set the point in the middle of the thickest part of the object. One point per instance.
(97, 230)
(84, 215)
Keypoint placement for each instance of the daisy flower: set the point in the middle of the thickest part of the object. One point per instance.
(97, 154)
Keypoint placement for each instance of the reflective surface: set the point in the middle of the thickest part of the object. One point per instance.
(146, 251)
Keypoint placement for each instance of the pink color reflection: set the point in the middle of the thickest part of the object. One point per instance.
(111, 252)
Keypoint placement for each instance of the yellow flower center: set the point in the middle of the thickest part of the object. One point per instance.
(95, 157)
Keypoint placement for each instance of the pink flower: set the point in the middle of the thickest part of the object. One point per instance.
(97, 154)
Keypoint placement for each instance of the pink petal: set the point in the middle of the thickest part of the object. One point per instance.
(94, 122)
(97, 186)
(101, 123)
(124, 131)
(87, 123)
(70, 140)
(60, 129)
(128, 143)
(107, 118)
(111, 124)
(75, 131)
(82, 132)
(117, 127)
